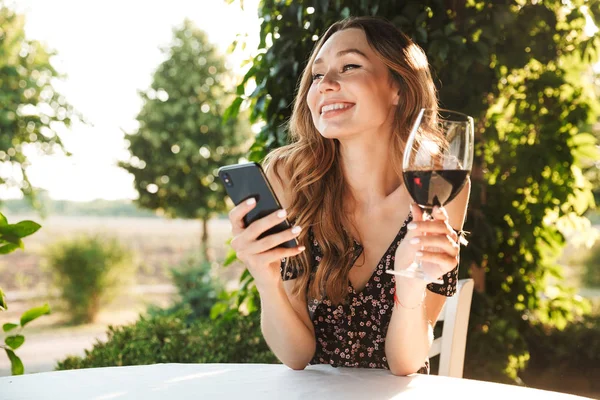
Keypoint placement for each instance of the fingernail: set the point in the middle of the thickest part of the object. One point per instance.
(419, 254)
(301, 248)
(281, 213)
(251, 201)
(296, 229)
(411, 226)
(415, 241)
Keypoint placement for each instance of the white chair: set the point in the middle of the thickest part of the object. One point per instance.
(451, 345)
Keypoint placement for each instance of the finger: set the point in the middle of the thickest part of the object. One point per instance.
(444, 243)
(274, 240)
(237, 214)
(439, 213)
(262, 225)
(416, 211)
(429, 227)
(278, 253)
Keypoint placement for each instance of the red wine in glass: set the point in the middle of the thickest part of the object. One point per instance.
(436, 164)
(435, 188)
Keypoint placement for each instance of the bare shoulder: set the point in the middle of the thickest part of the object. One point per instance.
(279, 180)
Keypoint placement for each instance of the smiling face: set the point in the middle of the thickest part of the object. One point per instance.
(352, 91)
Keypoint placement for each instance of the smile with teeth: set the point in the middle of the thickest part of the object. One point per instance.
(335, 106)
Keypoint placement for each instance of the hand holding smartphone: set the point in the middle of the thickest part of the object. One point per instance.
(248, 180)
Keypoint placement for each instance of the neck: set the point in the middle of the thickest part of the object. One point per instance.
(368, 170)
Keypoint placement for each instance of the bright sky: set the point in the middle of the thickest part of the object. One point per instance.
(108, 50)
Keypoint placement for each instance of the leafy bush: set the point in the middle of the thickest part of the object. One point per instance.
(495, 349)
(89, 270)
(198, 290)
(576, 347)
(168, 339)
(573, 352)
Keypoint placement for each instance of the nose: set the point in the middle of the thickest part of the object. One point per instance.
(329, 83)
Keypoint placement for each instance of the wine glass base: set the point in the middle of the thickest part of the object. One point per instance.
(416, 274)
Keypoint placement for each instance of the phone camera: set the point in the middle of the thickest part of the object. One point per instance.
(227, 179)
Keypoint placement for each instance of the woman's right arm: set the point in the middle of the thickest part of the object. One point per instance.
(285, 322)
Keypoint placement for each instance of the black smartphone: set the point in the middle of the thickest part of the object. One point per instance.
(247, 180)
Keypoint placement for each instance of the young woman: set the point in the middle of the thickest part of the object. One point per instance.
(340, 182)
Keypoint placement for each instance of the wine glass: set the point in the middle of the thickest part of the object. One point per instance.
(437, 161)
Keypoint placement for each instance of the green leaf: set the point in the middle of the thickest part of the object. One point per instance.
(15, 341)
(250, 305)
(230, 258)
(7, 234)
(25, 228)
(586, 151)
(3, 220)
(34, 313)
(3, 305)
(9, 326)
(233, 110)
(8, 248)
(218, 309)
(245, 275)
(15, 362)
(583, 139)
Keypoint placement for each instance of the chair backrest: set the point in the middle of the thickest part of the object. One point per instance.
(451, 345)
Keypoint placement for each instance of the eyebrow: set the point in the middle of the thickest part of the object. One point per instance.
(343, 53)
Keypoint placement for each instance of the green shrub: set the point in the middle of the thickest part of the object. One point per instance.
(569, 354)
(577, 347)
(197, 289)
(88, 271)
(486, 354)
(169, 339)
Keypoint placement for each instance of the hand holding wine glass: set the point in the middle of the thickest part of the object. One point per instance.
(436, 165)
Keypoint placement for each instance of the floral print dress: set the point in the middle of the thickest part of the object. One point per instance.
(353, 334)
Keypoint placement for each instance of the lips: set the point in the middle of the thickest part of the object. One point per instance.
(335, 106)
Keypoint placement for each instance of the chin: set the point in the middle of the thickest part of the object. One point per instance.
(330, 135)
(335, 133)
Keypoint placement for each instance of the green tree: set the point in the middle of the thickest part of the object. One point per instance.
(522, 69)
(31, 110)
(182, 140)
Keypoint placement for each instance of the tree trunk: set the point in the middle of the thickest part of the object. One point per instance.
(206, 253)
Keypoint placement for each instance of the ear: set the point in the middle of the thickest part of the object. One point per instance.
(396, 98)
(396, 90)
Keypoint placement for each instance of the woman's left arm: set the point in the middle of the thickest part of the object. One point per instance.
(416, 309)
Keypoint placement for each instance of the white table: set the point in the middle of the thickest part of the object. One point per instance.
(252, 381)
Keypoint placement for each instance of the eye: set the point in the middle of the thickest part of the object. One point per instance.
(350, 66)
(316, 76)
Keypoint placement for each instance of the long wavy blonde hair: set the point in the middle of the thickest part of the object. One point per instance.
(312, 166)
